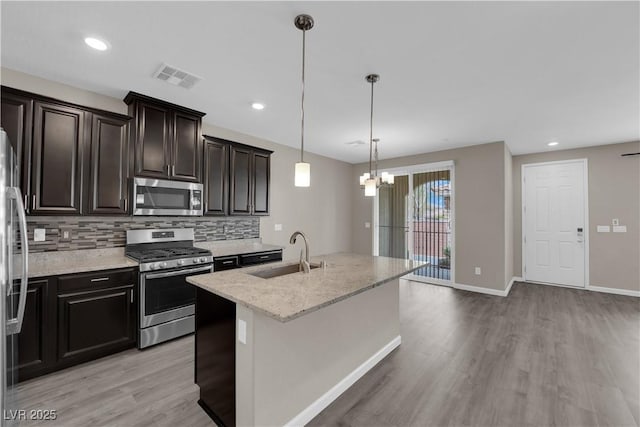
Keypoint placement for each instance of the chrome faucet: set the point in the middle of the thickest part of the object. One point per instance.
(304, 263)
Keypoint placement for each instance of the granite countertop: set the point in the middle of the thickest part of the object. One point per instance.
(43, 264)
(287, 297)
(66, 262)
(236, 247)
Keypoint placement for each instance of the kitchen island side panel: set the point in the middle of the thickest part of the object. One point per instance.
(215, 356)
(293, 364)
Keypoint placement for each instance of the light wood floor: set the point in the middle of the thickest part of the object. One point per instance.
(542, 356)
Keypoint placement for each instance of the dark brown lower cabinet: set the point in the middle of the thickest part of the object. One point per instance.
(215, 359)
(75, 318)
(36, 342)
(95, 323)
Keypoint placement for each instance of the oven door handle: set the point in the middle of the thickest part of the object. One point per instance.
(177, 273)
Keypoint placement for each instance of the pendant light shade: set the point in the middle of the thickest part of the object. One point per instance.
(370, 180)
(303, 169)
(303, 174)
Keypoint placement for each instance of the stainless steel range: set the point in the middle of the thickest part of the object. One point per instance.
(167, 302)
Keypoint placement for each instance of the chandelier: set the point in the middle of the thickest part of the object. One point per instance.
(370, 180)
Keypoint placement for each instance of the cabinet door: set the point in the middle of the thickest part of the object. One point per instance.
(260, 183)
(216, 178)
(186, 148)
(16, 119)
(240, 186)
(109, 160)
(35, 341)
(95, 323)
(152, 142)
(58, 136)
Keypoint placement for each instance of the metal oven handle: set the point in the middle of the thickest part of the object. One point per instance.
(177, 273)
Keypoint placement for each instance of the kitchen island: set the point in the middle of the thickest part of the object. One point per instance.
(275, 348)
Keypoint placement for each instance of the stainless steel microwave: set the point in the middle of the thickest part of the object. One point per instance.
(162, 197)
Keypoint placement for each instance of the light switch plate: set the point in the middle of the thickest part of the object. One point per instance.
(39, 235)
(478, 271)
(367, 225)
(619, 228)
(242, 331)
(615, 221)
(603, 229)
(277, 227)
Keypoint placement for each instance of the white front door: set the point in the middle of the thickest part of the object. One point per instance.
(554, 222)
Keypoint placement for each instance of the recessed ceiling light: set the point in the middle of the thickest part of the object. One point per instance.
(257, 106)
(553, 143)
(97, 44)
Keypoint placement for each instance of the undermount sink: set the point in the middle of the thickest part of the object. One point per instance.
(268, 273)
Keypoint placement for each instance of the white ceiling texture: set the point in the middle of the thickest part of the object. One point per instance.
(452, 73)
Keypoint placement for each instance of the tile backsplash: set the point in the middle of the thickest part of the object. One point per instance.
(108, 232)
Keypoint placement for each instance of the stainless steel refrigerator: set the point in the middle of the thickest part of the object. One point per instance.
(13, 277)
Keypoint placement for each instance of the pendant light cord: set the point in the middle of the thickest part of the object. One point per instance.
(371, 129)
(302, 127)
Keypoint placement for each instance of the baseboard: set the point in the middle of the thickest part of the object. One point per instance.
(513, 279)
(615, 291)
(326, 399)
(481, 290)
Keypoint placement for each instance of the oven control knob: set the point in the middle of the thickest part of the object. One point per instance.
(202, 259)
(195, 260)
(152, 266)
(163, 265)
(180, 262)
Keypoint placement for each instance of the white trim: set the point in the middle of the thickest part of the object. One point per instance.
(586, 226)
(513, 279)
(616, 291)
(482, 290)
(326, 399)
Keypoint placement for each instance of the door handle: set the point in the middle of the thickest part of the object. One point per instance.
(580, 235)
(14, 326)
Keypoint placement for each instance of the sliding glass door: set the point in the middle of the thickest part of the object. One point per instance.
(414, 220)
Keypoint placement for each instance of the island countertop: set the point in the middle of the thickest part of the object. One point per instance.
(287, 297)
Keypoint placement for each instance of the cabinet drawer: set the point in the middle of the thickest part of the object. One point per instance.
(96, 280)
(225, 263)
(260, 257)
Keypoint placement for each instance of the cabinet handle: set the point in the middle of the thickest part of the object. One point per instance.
(26, 202)
(173, 170)
(132, 296)
(125, 204)
(227, 262)
(168, 170)
(264, 257)
(33, 201)
(100, 279)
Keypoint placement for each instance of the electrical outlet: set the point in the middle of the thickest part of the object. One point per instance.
(39, 235)
(615, 221)
(242, 331)
(478, 271)
(367, 225)
(277, 227)
(65, 234)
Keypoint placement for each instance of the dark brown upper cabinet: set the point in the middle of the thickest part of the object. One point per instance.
(75, 159)
(216, 181)
(167, 139)
(56, 168)
(16, 119)
(249, 175)
(107, 190)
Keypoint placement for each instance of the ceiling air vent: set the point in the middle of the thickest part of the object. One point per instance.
(355, 143)
(176, 77)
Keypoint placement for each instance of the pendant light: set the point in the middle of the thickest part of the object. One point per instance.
(303, 169)
(370, 180)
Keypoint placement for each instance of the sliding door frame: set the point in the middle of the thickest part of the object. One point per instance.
(409, 171)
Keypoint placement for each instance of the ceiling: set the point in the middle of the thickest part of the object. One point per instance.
(452, 73)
